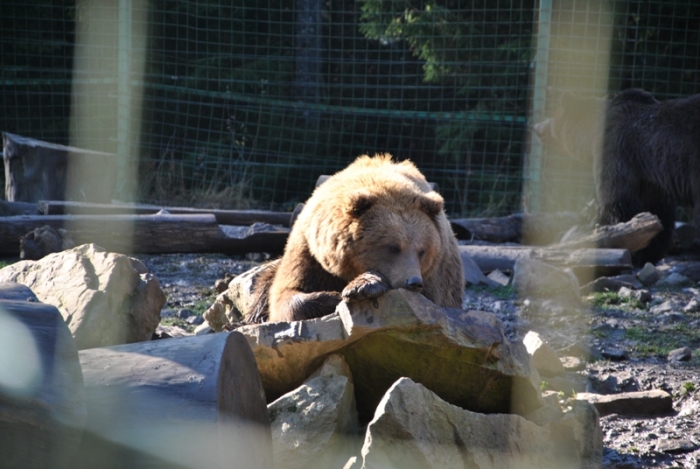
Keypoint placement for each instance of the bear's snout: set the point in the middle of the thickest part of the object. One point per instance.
(414, 284)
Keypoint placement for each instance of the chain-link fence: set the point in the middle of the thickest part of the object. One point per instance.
(245, 103)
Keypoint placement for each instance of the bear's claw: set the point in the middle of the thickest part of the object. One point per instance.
(366, 286)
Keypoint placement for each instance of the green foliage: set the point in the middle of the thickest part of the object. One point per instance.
(614, 300)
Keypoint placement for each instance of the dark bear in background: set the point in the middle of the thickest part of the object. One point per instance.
(645, 155)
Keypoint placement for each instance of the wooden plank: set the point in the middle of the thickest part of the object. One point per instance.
(223, 217)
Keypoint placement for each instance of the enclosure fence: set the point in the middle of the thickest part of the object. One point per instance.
(244, 103)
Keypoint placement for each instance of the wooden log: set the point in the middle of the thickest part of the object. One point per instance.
(632, 235)
(128, 234)
(36, 170)
(42, 400)
(540, 229)
(490, 258)
(223, 217)
(7, 209)
(195, 402)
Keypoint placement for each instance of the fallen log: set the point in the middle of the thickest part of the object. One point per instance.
(157, 234)
(632, 235)
(538, 229)
(8, 209)
(490, 258)
(223, 217)
(194, 402)
(42, 400)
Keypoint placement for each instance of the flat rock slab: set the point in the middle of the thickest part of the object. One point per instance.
(463, 356)
(655, 402)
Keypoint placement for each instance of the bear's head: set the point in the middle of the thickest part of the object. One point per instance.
(576, 129)
(393, 232)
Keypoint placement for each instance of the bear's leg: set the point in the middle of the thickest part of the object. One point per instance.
(299, 306)
(368, 285)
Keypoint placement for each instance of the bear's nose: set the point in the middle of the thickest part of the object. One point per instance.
(414, 284)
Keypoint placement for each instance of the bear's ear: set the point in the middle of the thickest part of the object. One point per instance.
(431, 203)
(359, 203)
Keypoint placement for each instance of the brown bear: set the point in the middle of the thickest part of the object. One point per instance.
(374, 226)
(645, 155)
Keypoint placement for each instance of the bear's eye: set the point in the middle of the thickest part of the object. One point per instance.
(394, 248)
(421, 253)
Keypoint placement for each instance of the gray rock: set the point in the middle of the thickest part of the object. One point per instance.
(648, 275)
(316, 425)
(674, 280)
(499, 277)
(105, 298)
(683, 354)
(543, 356)
(655, 402)
(414, 428)
(203, 329)
(473, 274)
(693, 306)
(615, 353)
(194, 320)
(184, 313)
(236, 303)
(642, 296)
(573, 363)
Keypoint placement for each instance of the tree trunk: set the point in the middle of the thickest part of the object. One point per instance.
(632, 235)
(194, 402)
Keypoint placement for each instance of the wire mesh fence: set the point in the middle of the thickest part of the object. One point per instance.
(245, 103)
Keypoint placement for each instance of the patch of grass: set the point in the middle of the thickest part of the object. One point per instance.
(614, 300)
(660, 342)
(501, 293)
(688, 388)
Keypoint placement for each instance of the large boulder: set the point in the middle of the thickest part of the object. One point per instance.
(316, 425)
(463, 356)
(414, 428)
(105, 298)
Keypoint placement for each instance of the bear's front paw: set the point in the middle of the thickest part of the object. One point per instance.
(366, 286)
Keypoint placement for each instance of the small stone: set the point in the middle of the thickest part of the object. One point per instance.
(674, 280)
(221, 285)
(573, 363)
(648, 275)
(543, 357)
(615, 353)
(184, 313)
(682, 445)
(195, 320)
(682, 354)
(693, 306)
(499, 277)
(203, 329)
(664, 307)
(167, 313)
(643, 296)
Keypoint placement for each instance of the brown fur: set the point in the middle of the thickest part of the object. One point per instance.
(374, 226)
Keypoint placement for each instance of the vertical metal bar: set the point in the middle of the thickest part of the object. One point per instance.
(124, 100)
(534, 171)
